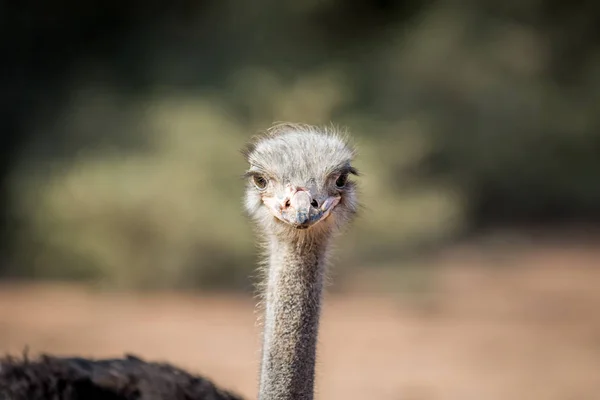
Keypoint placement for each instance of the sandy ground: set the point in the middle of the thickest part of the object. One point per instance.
(529, 331)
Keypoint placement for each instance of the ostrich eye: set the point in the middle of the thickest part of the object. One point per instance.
(260, 182)
(340, 182)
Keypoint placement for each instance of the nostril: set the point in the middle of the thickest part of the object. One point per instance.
(314, 203)
(287, 203)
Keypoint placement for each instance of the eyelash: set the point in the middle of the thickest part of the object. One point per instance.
(260, 182)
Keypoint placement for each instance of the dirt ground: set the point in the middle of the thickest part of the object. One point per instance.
(527, 331)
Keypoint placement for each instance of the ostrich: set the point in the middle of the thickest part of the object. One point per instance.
(299, 196)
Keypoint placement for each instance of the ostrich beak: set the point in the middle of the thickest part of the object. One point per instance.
(299, 212)
(298, 209)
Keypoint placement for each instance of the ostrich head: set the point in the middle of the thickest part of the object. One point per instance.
(299, 194)
(298, 181)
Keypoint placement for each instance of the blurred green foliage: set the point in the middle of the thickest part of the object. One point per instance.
(463, 115)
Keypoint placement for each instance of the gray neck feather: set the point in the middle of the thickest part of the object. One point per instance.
(291, 319)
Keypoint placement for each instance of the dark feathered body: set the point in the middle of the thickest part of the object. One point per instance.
(130, 378)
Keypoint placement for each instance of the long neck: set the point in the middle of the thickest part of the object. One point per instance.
(291, 320)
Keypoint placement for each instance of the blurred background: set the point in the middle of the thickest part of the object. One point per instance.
(471, 273)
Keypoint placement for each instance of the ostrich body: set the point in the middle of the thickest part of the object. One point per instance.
(299, 196)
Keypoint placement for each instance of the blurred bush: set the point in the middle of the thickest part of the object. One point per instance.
(168, 213)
